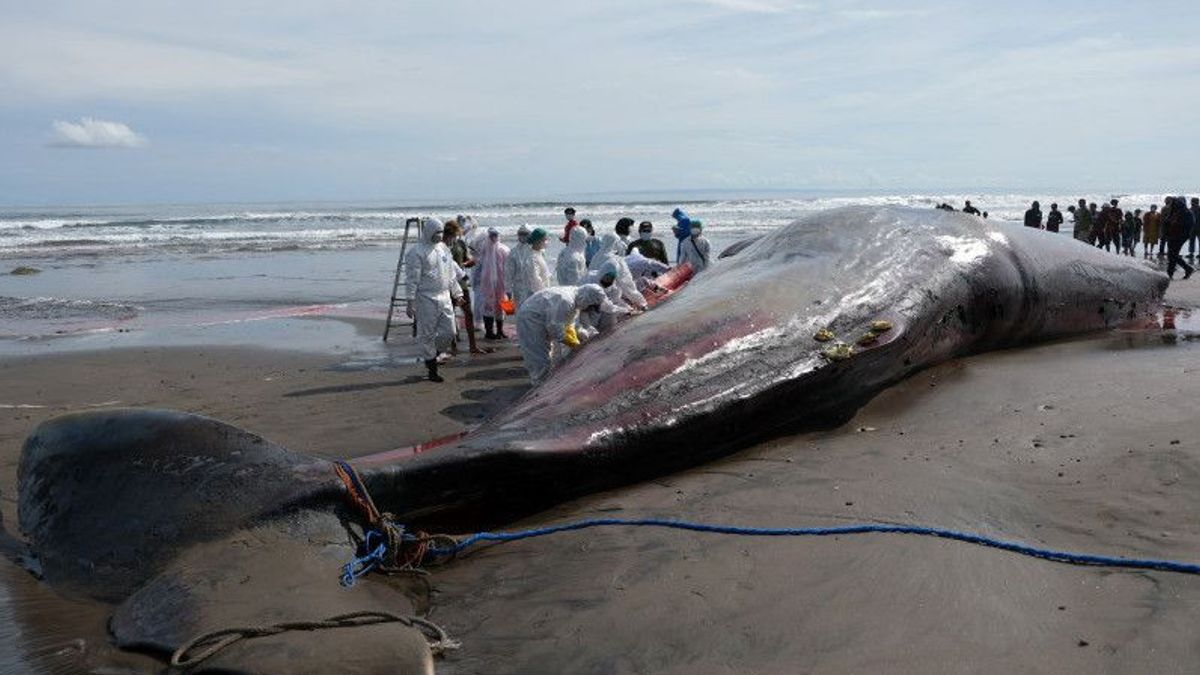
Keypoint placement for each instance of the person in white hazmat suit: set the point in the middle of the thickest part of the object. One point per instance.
(431, 281)
(525, 271)
(548, 323)
(695, 249)
(644, 270)
(572, 260)
(606, 278)
(610, 253)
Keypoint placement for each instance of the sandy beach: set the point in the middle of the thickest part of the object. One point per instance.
(1086, 445)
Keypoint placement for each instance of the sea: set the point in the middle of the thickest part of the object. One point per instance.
(99, 277)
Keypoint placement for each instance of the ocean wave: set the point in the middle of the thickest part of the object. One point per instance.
(217, 230)
(51, 308)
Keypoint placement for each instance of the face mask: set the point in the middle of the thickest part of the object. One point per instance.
(644, 236)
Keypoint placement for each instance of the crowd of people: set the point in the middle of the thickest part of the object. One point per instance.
(595, 282)
(1161, 232)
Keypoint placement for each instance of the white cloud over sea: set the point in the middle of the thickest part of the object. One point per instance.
(94, 133)
(253, 101)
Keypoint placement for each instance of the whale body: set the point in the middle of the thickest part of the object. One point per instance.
(171, 516)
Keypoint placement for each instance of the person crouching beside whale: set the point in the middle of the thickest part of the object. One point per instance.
(549, 324)
(433, 290)
(606, 278)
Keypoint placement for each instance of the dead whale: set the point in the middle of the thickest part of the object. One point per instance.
(188, 525)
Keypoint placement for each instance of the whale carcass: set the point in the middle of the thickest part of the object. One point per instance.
(189, 525)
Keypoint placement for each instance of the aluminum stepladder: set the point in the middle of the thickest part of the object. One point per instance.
(397, 297)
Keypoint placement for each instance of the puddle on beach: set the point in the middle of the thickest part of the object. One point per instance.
(1170, 326)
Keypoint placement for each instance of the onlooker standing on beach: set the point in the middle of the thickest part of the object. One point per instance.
(1083, 222)
(1177, 226)
(1111, 215)
(1196, 229)
(1137, 229)
(1128, 233)
(1097, 226)
(1054, 219)
(1150, 231)
(1033, 216)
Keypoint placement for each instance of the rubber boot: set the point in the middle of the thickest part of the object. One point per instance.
(500, 329)
(431, 366)
(487, 327)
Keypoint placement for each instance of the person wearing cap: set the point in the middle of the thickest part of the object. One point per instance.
(526, 272)
(1054, 219)
(569, 213)
(696, 249)
(647, 245)
(548, 323)
(431, 283)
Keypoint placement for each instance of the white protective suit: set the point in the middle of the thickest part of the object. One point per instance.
(525, 273)
(543, 319)
(695, 252)
(609, 254)
(431, 281)
(572, 261)
(490, 261)
(609, 318)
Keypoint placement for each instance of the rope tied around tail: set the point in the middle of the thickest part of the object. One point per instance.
(204, 646)
(387, 546)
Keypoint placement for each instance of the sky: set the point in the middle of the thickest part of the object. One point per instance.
(159, 101)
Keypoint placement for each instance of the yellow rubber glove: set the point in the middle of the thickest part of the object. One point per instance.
(570, 337)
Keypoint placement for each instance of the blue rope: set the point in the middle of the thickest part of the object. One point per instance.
(1015, 547)
(370, 558)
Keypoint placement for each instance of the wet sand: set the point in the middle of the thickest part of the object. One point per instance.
(1086, 445)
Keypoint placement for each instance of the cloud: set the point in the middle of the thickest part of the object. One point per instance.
(94, 133)
(759, 6)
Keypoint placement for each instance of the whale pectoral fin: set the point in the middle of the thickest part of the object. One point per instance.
(276, 573)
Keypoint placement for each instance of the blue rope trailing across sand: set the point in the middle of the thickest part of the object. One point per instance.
(866, 528)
